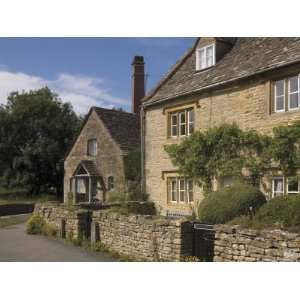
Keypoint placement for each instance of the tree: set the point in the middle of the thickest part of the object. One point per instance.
(39, 129)
(221, 151)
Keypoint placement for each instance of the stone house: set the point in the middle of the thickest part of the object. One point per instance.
(95, 165)
(253, 82)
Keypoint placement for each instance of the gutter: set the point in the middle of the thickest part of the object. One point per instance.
(218, 84)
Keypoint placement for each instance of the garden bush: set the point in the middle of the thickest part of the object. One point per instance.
(230, 202)
(36, 225)
(135, 207)
(283, 211)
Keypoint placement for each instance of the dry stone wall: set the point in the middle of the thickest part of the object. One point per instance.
(145, 238)
(72, 223)
(236, 244)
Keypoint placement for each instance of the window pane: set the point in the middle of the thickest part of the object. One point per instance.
(173, 191)
(279, 103)
(174, 125)
(201, 59)
(277, 187)
(279, 88)
(181, 190)
(191, 121)
(293, 185)
(92, 147)
(182, 123)
(190, 190)
(293, 84)
(81, 186)
(293, 98)
(174, 119)
(209, 56)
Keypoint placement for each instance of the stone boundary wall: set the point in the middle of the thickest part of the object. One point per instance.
(70, 223)
(145, 238)
(235, 244)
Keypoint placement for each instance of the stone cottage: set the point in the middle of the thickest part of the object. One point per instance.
(95, 165)
(253, 82)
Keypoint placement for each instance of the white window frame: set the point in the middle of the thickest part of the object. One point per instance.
(189, 190)
(287, 188)
(275, 97)
(182, 123)
(273, 186)
(172, 180)
(178, 125)
(88, 147)
(189, 122)
(180, 200)
(199, 65)
(291, 93)
(172, 125)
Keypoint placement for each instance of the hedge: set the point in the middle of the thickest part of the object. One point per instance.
(230, 202)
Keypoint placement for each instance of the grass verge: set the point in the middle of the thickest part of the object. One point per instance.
(13, 220)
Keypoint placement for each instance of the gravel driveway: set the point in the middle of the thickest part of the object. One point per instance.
(16, 245)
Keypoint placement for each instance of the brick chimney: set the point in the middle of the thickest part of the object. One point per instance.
(137, 83)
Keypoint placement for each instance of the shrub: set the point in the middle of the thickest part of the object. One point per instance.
(35, 225)
(190, 259)
(49, 230)
(283, 211)
(230, 202)
(135, 207)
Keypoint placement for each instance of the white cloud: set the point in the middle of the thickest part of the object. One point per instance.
(82, 91)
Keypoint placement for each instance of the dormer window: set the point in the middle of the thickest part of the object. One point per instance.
(92, 147)
(205, 57)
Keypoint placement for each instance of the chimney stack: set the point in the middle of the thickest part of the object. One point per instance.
(137, 83)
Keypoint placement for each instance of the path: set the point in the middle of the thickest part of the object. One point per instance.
(16, 245)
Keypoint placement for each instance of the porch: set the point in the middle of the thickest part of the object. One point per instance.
(86, 184)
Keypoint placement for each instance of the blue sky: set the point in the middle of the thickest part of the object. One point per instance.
(84, 71)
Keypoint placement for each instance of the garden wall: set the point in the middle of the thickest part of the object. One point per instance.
(145, 238)
(70, 223)
(235, 244)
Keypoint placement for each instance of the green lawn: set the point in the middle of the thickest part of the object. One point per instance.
(12, 220)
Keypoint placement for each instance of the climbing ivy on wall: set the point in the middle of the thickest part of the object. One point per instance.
(221, 151)
(285, 148)
(132, 165)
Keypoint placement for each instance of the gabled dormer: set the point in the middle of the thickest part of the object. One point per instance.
(210, 50)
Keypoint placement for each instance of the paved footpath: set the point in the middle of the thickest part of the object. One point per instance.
(16, 245)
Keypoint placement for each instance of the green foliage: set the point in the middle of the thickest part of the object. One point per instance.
(285, 148)
(283, 211)
(99, 247)
(132, 166)
(230, 202)
(36, 225)
(220, 151)
(36, 131)
(135, 207)
(132, 193)
(190, 259)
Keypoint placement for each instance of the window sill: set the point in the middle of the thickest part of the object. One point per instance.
(203, 70)
(285, 112)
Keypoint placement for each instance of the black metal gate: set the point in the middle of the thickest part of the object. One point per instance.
(203, 241)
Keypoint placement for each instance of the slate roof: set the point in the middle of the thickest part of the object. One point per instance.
(90, 167)
(248, 57)
(122, 126)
